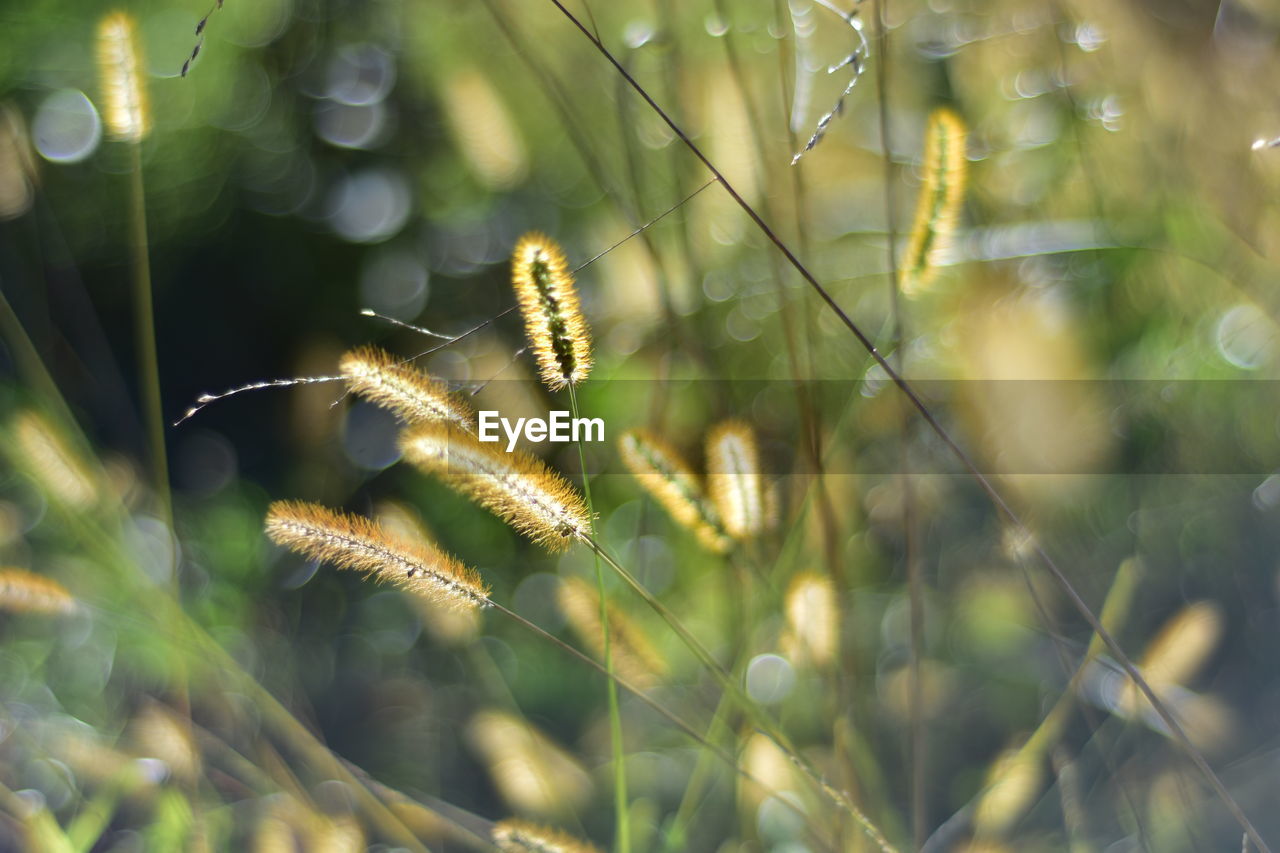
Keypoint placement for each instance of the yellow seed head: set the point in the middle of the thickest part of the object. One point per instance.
(634, 657)
(671, 482)
(531, 772)
(520, 836)
(1013, 782)
(58, 471)
(945, 171)
(127, 113)
(411, 394)
(733, 478)
(24, 592)
(157, 732)
(813, 622)
(553, 319)
(352, 542)
(517, 487)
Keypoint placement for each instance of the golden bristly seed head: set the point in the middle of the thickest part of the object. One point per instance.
(532, 773)
(516, 487)
(945, 171)
(671, 482)
(412, 395)
(56, 469)
(813, 620)
(352, 542)
(24, 592)
(520, 836)
(127, 113)
(553, 320)
(634, 657)
(734, 480)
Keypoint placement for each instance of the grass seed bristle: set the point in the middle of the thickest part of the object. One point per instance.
(57, 471)
(412, 395)
(520, 836)
(352, 542)
(733, 478)
(24, 592)
(517, 487)
(671, 482)
(813, 620)
(945, 170)
(127, 112)
(553, 318)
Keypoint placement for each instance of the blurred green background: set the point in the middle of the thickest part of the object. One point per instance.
(1102, 336)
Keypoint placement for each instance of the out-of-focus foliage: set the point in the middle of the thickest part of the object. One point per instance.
(1101, 334)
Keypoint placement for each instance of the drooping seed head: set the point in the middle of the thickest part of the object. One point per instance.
(127, 112)
(517, 487)
(671, 482)
(56, 469)
(734, 479)
(520, 836)
(553, 320)
(411, 394)
(634, 656)
(532, 773)
(24, 592)
(352, 542)
(945, 169)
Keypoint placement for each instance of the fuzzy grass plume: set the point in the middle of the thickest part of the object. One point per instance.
(634, 657)
(352, 542)
(813, 620)
(412, 395)
(532, 773)
(517, 487)
(673, 484)
(553, 319)
(57, 470)
(520, 836)
(24, 592)
(126, 112)
(733, 477)
(945, 170)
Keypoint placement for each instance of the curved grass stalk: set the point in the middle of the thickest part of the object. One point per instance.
(953, 447)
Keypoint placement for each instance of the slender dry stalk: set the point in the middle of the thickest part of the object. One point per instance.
(634, 656)
(734, 480)
(665, 475)
(945, 170)
(24, 592)
(516, 487)
(553, 318)
(519, 836)
(352, 542)
(412, 395)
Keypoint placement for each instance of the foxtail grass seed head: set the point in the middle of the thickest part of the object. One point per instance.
(634, 656)
(127, 112)
(734, 480)
(813, 620)
(945, 170)
(533, 774)
(553, 319)
(55, 468)
(1013, 783)
(516, 487)
(352, 542)
(24, 592)
(412, 395)
(520, 836)
(671, 482)
(157, 732)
